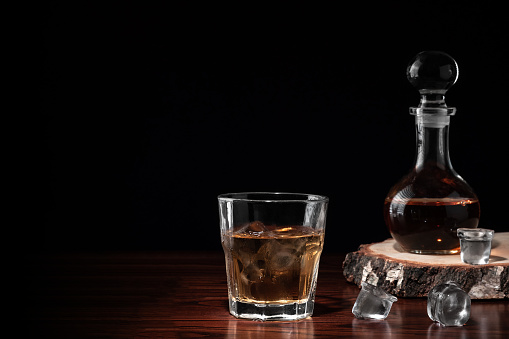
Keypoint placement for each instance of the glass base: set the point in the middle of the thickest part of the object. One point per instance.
(453, 251)
(271, 312)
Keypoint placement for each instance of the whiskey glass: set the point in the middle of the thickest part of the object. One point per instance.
(272, 244)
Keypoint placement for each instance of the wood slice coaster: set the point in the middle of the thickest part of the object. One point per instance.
(405, 274)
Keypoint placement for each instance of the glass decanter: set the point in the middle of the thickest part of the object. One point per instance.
(426, 207)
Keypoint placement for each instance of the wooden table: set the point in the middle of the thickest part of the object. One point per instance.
(184, 295)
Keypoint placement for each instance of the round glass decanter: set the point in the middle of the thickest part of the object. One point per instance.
(426, 207)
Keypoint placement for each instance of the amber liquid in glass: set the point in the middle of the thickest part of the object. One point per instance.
(428, 225)
(276, 265)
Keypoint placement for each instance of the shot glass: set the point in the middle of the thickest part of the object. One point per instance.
(272, 244)
(448, 304)
(475, 244)
(372, 303)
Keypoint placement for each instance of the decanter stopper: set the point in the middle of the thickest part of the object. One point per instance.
(432, 73)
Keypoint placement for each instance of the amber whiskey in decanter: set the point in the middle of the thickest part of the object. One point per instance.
(426, 207)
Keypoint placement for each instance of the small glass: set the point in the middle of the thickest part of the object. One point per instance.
(372, 302)
(272, 244)
(475, 245)
(448, 304)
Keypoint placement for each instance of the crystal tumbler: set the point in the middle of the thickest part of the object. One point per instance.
(272, 244)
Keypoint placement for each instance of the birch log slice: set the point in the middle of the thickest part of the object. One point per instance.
(412, 275)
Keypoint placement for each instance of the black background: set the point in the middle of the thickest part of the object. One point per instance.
(150, 111)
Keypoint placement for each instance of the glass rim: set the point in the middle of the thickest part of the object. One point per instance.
(275, 197)
(475, 232)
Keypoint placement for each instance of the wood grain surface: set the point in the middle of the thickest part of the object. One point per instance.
(184, 295)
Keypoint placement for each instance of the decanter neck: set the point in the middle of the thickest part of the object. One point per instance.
(432, 142)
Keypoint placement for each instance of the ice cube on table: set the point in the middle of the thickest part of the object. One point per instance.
(448, 304)
(372, 302)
